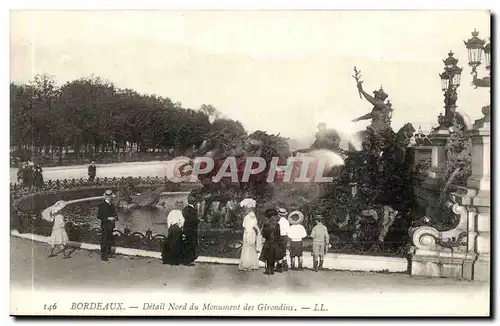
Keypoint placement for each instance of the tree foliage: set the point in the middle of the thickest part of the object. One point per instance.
(93, 115)
(370, 178)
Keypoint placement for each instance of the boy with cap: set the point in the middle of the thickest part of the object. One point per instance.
(296, 233)
(284, 225)
(321, 241)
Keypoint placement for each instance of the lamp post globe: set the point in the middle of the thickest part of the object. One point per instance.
(475, 48)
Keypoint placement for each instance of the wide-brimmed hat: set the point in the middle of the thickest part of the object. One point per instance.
(47, 214)
(108, 194)
(295, 217)
(282, 212)
(58, 206)
(248, 202)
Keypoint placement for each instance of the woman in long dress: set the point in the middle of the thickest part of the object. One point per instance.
(252, 239)
(172, 253)
(59, 237)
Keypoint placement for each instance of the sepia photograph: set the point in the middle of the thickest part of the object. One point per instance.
(319, 163)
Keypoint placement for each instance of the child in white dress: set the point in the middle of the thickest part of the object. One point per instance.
(59, 237)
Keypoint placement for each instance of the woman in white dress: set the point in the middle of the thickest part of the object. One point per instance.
(59, 237)
(252, 239)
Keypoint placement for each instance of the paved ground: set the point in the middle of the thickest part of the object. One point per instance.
(351, 293)
(29, 263)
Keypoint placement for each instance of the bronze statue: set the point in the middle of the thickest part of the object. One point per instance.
(381, 112)
(326, 138)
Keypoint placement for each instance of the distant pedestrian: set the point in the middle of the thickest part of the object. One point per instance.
(38, 175)
(296, 233)
(108, 216)
(321, 241)
(59, 237)
(92, 171)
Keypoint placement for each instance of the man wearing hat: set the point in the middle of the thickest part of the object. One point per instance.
(108, 216)
(283, 240)
(92, 171)
(296, 233)
(321, 241)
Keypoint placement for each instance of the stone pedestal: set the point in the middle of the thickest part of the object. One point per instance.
(480, 181)
(445, 253)
(480, 178)
(438, 155)
(433, 182)
(462, 252)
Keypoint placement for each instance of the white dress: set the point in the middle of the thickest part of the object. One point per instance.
(252, 243)
(59, 235)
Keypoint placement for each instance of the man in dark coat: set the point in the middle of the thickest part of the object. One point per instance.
(92, 171)
(38, 176)
(108, 216)
(190, 232)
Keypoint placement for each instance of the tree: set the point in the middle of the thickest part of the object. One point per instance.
(210, 111)
(232, 127)
(91, 115)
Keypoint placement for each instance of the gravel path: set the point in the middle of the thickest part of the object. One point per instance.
(349, 293)
(136, 169)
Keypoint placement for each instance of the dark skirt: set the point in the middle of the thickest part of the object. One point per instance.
(190, 253)
(172, 253)
(281, 244)
(270, 252)
(296, 249)
(271, 249)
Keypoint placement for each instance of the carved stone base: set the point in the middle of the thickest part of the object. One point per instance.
(482, 269)
(457, 266)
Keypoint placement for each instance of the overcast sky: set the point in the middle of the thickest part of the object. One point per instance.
(280, 71)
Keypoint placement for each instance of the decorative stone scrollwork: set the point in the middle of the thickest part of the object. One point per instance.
(425, 238)
(429, 238)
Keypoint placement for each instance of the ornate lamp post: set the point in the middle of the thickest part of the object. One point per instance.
(450, 80)
(475, 48)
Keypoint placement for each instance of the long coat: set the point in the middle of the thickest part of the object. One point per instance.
(172, 253)
(104, 211)
(190, 231)
(270, 249)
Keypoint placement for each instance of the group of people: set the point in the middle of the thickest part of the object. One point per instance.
(279, 232)
(181, 243)
(106, 213)
(30, 174)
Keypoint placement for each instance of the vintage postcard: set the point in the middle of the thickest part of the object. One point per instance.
(250, 163)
